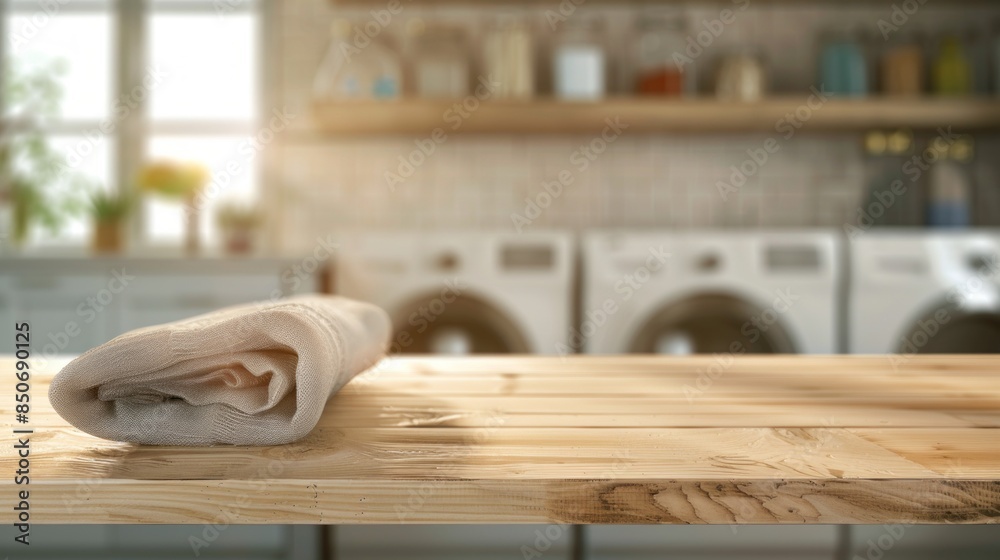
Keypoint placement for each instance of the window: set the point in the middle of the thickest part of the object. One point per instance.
(70, 49)
(143, 80)
(206, 106)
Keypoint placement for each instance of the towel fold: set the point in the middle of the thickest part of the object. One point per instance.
(256, 374)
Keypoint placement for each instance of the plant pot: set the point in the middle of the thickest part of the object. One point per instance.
(108, 237)
(238, 241)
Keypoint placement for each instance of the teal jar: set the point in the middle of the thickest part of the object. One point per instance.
(844, 66)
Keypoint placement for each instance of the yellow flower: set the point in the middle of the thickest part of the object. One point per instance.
(173, 179)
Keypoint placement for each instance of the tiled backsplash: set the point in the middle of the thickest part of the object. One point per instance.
(641, 180)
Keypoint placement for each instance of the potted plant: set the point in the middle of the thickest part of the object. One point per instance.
(36, 186)
(183, 182)
(110, 211)
(239, 224)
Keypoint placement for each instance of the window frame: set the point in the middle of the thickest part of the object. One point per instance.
(130, 138)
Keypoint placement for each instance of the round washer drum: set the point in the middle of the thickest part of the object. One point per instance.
(962, 333)
(486, 329)
(713, 323)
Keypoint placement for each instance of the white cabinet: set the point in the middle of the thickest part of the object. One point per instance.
(457, 542)
(603, 542)
(68, 314)
(710, 542)
(73, 305)
(198, 541)
(925, 542)
(170, 297)
(166, 542)
(57, 541)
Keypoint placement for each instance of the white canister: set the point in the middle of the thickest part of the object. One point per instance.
(579, 64)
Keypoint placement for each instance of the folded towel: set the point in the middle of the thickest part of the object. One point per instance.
(257, 374)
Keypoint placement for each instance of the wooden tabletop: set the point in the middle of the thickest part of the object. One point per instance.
(838, 439)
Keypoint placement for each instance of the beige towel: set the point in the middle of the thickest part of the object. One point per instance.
(257, 374)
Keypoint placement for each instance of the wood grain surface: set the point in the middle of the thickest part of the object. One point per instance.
(587, 439)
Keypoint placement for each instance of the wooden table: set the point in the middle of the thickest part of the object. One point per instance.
(838, 439)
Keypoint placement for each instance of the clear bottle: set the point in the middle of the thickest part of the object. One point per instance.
(508, 53)
(356, 67)
(385, 70)
(336, 78)
(659, 37)
(579, 64)
(441, 67)
(951, 186)
(741, 77)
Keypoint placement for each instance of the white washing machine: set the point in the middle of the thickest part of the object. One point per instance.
(710, 292)
(456, 293)
(464, 292)
(925, 292)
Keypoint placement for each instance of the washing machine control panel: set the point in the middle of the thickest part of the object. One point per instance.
(522, 258)
(792, 258)
(904, 265)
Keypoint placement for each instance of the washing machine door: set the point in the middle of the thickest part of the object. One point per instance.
(964, 332)
(712, 323)
(466, 325)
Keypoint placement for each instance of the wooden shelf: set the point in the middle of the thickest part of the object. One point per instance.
(715, 3)
(549, 116)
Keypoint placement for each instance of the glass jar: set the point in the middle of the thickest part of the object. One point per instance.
(508, 57)
(441, 66)
(659, 37)
(384, 69)
(843, 64)
(579, 61)
(336, 78)
(903, 68)
(741, 77)
(354, 70)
